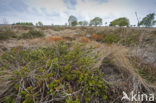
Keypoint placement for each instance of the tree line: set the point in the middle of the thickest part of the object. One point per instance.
(147, 21)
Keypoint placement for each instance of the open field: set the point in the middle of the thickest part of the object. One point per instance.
(76, 64)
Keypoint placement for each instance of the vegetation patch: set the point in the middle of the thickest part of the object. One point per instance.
(111, 38)
(7, 35)
(32, 34)
(24, 23)
(57, 74)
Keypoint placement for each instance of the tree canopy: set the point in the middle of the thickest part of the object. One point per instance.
(120, 22)
(83, 23)
(148, 21)
(39, 23)
(24, 23)
(96, 21)
(72, 21)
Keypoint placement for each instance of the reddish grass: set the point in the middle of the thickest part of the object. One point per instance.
(97, 37)
(36, 40)
(84, 39)
(53, 38)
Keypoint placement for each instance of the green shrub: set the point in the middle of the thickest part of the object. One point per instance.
(32, 34)
(111, 38)
(7, 35)
(59, 73)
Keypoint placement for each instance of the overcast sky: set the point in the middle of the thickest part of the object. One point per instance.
(58, 11)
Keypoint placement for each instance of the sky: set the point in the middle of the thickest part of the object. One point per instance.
(57, 12)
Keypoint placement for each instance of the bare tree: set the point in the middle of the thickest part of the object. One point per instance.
(4, 21)
(6, 24)
(137, 19)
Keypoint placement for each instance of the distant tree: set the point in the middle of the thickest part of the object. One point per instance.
(83, 23)
(39, 23)
(66, 24)
(72, 21)
(6, 24)
(105, 23)
(137, 19)
(80, 23)
(4, 21)
(96, 21)
(120, 22)
(25, 23)
(148, 21)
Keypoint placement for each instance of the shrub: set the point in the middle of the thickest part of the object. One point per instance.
(7, 35)
(57, 74)
(32, 34)
(111, 38)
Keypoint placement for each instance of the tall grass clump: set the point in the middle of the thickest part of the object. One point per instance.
(61, 74)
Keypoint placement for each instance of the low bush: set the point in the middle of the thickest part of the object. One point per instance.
(32, 34)
(57, 74)
(129, 40)
(7, 35)
(111, 38)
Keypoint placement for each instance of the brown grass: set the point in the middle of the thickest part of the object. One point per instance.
(97, 37)
(84, 39)
(53, 39)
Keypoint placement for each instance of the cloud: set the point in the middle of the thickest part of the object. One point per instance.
(70, 4)
(97, 1)
(13, 6)
(100, 1)
(58, 11)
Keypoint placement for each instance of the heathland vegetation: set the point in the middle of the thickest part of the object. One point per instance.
(80, 63)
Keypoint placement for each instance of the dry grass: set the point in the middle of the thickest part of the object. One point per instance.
(120, 57)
